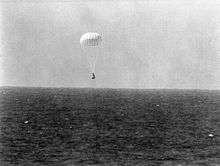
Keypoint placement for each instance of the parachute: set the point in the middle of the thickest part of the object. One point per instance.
(90, 44)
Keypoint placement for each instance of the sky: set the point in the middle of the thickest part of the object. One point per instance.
(152, 44)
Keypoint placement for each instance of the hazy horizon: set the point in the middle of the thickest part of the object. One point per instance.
(146, 44)
(104, 88)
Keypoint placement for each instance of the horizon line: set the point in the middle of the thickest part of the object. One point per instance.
(57, 87)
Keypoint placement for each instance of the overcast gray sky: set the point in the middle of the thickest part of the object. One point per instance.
(146, 44)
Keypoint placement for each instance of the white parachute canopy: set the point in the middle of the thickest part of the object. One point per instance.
(90, 44)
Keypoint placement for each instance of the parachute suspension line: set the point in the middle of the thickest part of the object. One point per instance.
(89, 61)
(95, 60)
(91, 58)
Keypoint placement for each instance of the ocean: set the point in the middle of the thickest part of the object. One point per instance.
(71, 127)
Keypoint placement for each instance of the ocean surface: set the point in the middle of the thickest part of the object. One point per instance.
(71, 127)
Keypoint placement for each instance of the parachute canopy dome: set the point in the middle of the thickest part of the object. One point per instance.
(90, 39)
